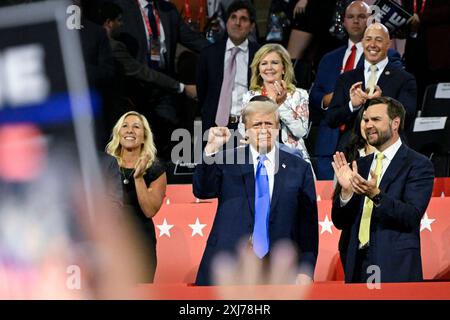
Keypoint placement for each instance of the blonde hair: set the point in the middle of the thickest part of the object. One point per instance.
(114, 147)
(256, 82)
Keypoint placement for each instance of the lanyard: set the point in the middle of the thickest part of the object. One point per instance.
(187, 9)
(201, 9)
(147, 22)
(422, 7)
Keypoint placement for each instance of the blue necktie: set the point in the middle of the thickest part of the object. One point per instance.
(152, 20)
(262, 208)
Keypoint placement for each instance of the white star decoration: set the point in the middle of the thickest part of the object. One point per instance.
(426, 222)
(197, 228)
(164, 228)
(326, 225)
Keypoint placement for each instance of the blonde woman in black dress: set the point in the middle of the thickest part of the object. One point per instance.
(143, 179)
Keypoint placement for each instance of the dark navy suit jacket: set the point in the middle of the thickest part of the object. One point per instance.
(175, 31)
(327, 75)
(293, 207)
(394, 82)
(395, 224)
(210, 77)
(330, 69)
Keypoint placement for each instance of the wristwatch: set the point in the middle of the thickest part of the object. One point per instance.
(377, 198)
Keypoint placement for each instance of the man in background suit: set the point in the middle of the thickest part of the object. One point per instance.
(383, 210)
(385, 79)
(111, 19)
(174, 28)
(210, 74)
(234, 177)
(332, 65)
(129, 68)
(158, 48)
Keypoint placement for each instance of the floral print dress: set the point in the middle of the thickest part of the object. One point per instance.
(294, 118)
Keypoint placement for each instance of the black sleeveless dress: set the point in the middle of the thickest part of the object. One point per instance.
(143, 223)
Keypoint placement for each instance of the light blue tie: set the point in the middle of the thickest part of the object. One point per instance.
(262, 208)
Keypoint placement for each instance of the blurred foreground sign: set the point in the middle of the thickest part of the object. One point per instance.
(45, 106)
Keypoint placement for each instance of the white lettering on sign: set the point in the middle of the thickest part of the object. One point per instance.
(22, 76)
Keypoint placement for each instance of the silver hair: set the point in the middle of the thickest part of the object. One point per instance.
(265, 107)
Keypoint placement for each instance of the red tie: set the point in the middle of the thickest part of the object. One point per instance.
(349, 66)
(350, 60)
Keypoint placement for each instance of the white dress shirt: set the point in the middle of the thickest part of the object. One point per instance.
(389, 154)
(380, 68)
(269, 163)
(359, 53)
(240, 81)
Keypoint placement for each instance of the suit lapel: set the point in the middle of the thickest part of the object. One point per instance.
(359, 76)
(363, 170)
(340, 60)
(248, 175)
(281, 175)
(164, 17)
(385, 77)
(341, 55)
(395, 166)
(220, 56)
(135, 10)
(364, 166)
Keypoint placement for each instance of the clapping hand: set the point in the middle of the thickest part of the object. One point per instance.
(359, 97)
(364, 187)
(141, 166)
(191, 91)
(344, 173)
(376, 93)
(280, 89)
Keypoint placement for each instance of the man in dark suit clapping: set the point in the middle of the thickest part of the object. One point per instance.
(377, 77)
(332, 65)
(383, 199)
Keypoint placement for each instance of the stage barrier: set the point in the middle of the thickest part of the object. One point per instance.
(184, 222)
